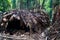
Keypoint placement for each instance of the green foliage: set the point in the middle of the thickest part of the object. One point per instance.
(13, 4)
(26, 4)
(47, 6)
(4, 5)
(40, 2)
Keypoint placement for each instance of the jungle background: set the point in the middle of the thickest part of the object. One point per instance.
(47, 5)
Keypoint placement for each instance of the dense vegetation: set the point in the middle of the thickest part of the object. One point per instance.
(6, 5)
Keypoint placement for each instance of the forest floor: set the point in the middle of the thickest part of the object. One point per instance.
(26, 36)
